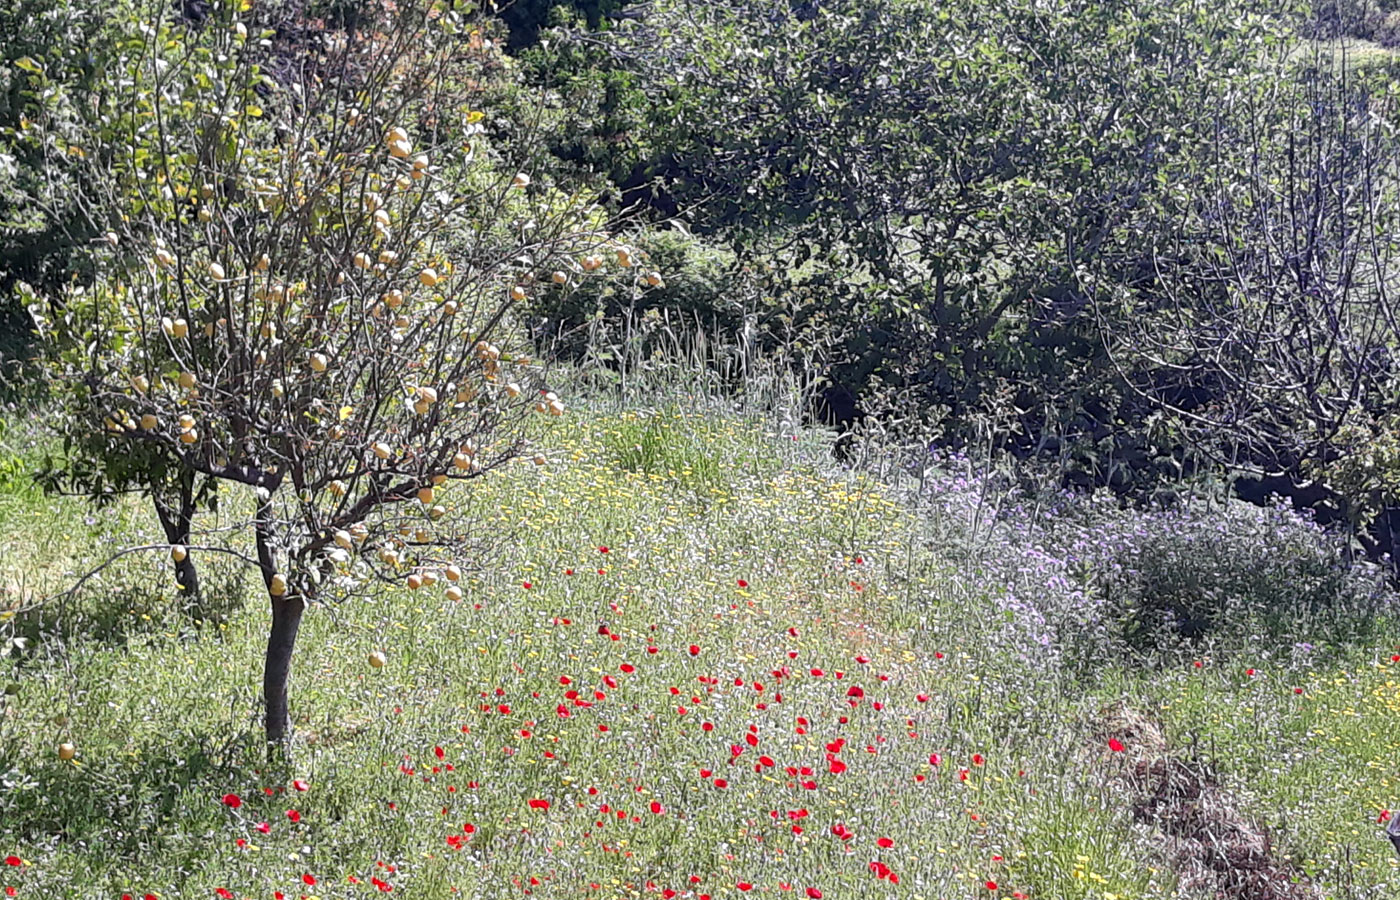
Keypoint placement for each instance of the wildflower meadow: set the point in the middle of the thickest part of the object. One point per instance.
(709, 663)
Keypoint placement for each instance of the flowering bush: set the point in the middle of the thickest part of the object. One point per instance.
(1081, 578)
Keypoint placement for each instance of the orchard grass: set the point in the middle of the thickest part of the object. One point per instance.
(682, 605)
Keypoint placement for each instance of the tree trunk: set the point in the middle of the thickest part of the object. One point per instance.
(277, 666)
(175, 519)
(281, 640)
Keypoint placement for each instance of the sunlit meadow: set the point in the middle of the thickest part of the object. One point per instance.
(700, 661)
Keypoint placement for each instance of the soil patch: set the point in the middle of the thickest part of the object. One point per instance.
(1213, 847)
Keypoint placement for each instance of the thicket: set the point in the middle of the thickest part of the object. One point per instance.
(1147, 240)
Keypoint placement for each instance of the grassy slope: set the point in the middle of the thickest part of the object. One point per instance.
(721, 535)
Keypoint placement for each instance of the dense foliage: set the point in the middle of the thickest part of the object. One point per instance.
(1045, 215)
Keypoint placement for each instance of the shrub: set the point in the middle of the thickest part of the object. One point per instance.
(703, 289)
(1387, 31)
(52, 54)
(1083, 580)
(1177, 578)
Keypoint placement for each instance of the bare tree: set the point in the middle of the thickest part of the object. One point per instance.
(1268, 326)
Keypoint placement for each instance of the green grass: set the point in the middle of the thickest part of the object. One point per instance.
(721, 533)
(1311, 750)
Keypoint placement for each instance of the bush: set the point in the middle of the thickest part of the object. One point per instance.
(52, 56)
(702, 288)
(1387, 31)
(1083, 580)
(1175, 578)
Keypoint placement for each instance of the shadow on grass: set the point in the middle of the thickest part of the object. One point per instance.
(112, 616)
(126, 801)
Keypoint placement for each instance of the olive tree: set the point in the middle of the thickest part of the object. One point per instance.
(307, 291)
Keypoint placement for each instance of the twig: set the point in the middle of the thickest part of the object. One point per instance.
(83, 580)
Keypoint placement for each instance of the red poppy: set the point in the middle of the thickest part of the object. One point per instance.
(294, 815)
(693, 650)
(1115, 745)
(1383, 817)
(884, 843)
(225, 893)
(814, 894)
(744, 886)
(977, 759)
(308, 879)
(233, 801)
(991, 885)
(299, 785)
(539, 804)
(742, 583)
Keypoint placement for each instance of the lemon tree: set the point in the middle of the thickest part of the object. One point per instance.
(308, 290)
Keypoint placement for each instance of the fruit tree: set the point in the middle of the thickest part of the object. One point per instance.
(307, 293)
